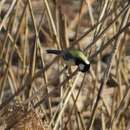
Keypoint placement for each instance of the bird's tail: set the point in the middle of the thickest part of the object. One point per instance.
(57, 52)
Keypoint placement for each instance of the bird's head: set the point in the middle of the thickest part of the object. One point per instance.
(83, 67)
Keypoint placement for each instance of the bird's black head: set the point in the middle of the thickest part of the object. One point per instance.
(83, 67)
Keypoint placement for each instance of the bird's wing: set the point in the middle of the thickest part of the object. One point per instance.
(79, 55)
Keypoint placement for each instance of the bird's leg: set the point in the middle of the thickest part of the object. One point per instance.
(69, 70)
(66, 67)
(66, 72)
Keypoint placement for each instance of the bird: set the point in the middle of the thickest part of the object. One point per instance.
(72, 57)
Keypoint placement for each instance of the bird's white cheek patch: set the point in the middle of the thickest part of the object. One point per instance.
(87, 62)
(81, 66)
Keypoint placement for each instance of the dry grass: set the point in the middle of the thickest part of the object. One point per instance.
(37, 92)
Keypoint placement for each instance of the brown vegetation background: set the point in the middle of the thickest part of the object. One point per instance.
(37, 92)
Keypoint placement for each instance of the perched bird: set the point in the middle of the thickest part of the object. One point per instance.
(73, 57)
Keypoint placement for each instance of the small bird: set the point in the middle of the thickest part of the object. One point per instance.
(73, 57)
